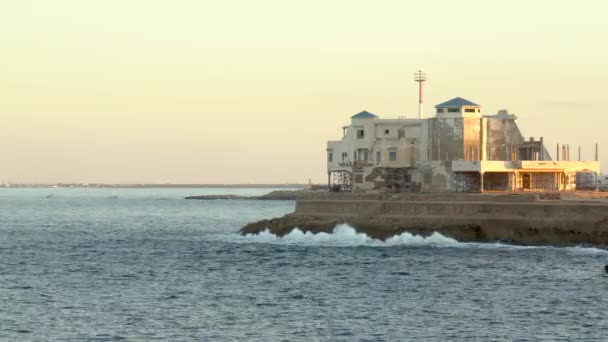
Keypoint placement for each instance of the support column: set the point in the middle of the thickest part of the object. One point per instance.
(542, 150)
(597, 158)
(483, 139)
(514, 181)
(480, 181)
(329, 181)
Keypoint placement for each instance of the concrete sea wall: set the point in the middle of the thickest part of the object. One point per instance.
(525, 219)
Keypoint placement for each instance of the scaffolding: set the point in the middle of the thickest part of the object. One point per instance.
(340, 181)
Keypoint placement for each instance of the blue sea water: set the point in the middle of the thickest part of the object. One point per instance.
(146, 265)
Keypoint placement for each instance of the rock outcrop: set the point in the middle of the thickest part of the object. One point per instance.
(515, 218)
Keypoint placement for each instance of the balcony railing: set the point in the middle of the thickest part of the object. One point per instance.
(359, 164)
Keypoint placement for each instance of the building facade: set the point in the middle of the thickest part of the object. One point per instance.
(459, 149)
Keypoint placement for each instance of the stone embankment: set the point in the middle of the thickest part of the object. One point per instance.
(526, 219)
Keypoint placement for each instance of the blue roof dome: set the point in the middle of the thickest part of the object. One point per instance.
(364, 115)
(457, 102)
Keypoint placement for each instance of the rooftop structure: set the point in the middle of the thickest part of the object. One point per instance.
(364, 115)
(420, 77)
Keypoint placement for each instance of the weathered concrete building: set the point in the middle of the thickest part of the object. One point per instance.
(460, 149)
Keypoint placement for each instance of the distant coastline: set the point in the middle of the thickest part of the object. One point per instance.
(149, 185)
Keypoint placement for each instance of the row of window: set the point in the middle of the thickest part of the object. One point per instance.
(392, 155)
(361, 133)
(330, 156)
(457, 110)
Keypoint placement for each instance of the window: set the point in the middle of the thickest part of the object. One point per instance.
(401, 133)
(439, 110)
(360, 134)
(453, 110)
(378, 156)
(392, 155)
(330, 156)
(387, 132)
(470, 110)
(344, 156)
(362, 154)
(359, 179)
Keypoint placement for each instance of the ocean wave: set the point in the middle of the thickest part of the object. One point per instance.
(347, 236)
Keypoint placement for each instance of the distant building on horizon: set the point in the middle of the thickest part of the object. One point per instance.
(459, 149)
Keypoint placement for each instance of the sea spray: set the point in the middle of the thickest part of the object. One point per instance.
(344, 235)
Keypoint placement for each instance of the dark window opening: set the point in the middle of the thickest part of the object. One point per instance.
(360, 134)
(525, 181)
(453, 110)
(392, 155)
(586, 181)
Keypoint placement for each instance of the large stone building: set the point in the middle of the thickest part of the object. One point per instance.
(460, 149)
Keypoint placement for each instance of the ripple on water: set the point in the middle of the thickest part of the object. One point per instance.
(149, 266)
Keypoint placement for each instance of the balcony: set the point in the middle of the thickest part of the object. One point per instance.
(359, 164)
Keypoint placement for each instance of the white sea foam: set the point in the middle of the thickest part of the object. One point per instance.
(342, 235)
(586, 250)
(347, 236)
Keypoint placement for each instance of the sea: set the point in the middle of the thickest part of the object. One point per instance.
(81, 264)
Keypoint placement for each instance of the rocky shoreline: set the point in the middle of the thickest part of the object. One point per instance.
(524, 219)
(279, 195)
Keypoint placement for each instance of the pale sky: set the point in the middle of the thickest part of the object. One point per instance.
(250, 91)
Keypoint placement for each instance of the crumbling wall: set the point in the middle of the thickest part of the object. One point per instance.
(436, 176)
(472, 139)
(503, 137)
(446, 138)
(466, 182)
(392, 179)
(363, 178)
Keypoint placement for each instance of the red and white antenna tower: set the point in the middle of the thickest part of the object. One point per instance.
(420, 77)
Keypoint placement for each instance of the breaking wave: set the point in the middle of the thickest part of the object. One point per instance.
(346, 236)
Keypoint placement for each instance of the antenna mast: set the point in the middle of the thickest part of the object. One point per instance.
(420, 77)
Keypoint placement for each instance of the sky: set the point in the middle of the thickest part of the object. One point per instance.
(185, 91)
